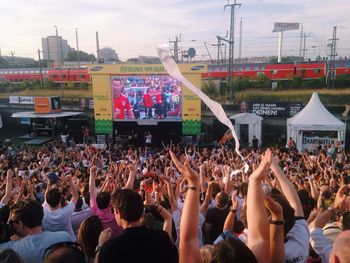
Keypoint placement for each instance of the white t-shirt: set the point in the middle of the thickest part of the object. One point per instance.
(148, 138)
(177, 217)
(297, 247)
(320, 243)
(59, 219)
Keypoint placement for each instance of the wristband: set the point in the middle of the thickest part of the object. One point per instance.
(276, 222)
(98, 248)
(234, 211)
(193, 187)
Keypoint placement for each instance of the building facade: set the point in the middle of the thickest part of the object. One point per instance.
(55, 49)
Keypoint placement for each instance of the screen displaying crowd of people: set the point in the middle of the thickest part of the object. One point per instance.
(146, 97)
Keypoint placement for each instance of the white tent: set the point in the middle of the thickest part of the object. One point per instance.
(314, 117)
(254, 125)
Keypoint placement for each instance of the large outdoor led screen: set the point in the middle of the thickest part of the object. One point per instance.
(154, 97)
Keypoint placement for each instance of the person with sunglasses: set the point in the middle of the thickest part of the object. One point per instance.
(26, 221)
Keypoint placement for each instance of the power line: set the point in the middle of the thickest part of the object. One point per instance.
(232, 39)
(176, 48)
(332, 57)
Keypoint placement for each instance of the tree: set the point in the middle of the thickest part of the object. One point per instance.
(83, 56)
(3, 63)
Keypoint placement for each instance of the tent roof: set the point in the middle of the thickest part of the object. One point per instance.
(31, 115)
(315, 115)
(246, 118)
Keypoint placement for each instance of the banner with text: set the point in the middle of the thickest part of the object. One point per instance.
(277, 109)
(191, 109)
(102, 104)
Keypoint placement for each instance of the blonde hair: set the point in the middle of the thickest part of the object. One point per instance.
(206, 253)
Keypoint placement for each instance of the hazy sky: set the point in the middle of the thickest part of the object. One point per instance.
(133, 28)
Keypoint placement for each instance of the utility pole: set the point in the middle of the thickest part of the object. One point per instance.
(219, 44)
(78, 55)
(176, 47)
(232, 40)
(332, 56)
(40, 68)
(240, 41)
(12, 53)
(301, 42)
(98, 48)
(304, 46)
(205, 44)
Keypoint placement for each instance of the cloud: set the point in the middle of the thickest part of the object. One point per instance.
(133, 28)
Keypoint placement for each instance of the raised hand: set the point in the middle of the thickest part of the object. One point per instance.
(340, 198)
(274, 207)
(261, 171)
(185, 169)
(93, 169)
(132, 168)
(234, 200)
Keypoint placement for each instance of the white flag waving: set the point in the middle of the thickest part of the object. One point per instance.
(171, 67)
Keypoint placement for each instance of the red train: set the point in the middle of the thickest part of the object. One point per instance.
(277, 71)
(56, 75)
(280, 71)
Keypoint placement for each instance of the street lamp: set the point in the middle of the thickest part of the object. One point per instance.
(78, 55)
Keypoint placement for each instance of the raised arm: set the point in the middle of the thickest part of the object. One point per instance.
(287, 188)
(92, 186)
(189, 244)
(171, 195)
(131, 178)
(8, 193)
(228, 186)
(73, 189)
(207, 199)
(258, 234)
(230, 219)
(277, 253)
(168, 221)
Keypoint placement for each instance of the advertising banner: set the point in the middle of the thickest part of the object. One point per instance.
(277, 109)
(310, 142)
(283, 26)
(86, 104)
(42, 105)
(102, 104)
(191, 109)
(55, 104)
(21, 100)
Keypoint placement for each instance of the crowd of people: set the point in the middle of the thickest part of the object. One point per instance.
(146, 98)
(62, 203)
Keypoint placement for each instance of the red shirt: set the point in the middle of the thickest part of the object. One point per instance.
(159, 98)
(120, 105)
(147, 98)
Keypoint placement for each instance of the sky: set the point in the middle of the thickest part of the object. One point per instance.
(134, 28)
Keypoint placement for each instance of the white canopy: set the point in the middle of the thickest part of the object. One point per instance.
(254, 121)
(314, 117)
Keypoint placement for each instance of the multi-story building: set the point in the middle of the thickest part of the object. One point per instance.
(55, 49)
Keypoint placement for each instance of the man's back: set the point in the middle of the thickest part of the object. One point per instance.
(31, 248)
(139, 244)
(216, 218)
(59, 219)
